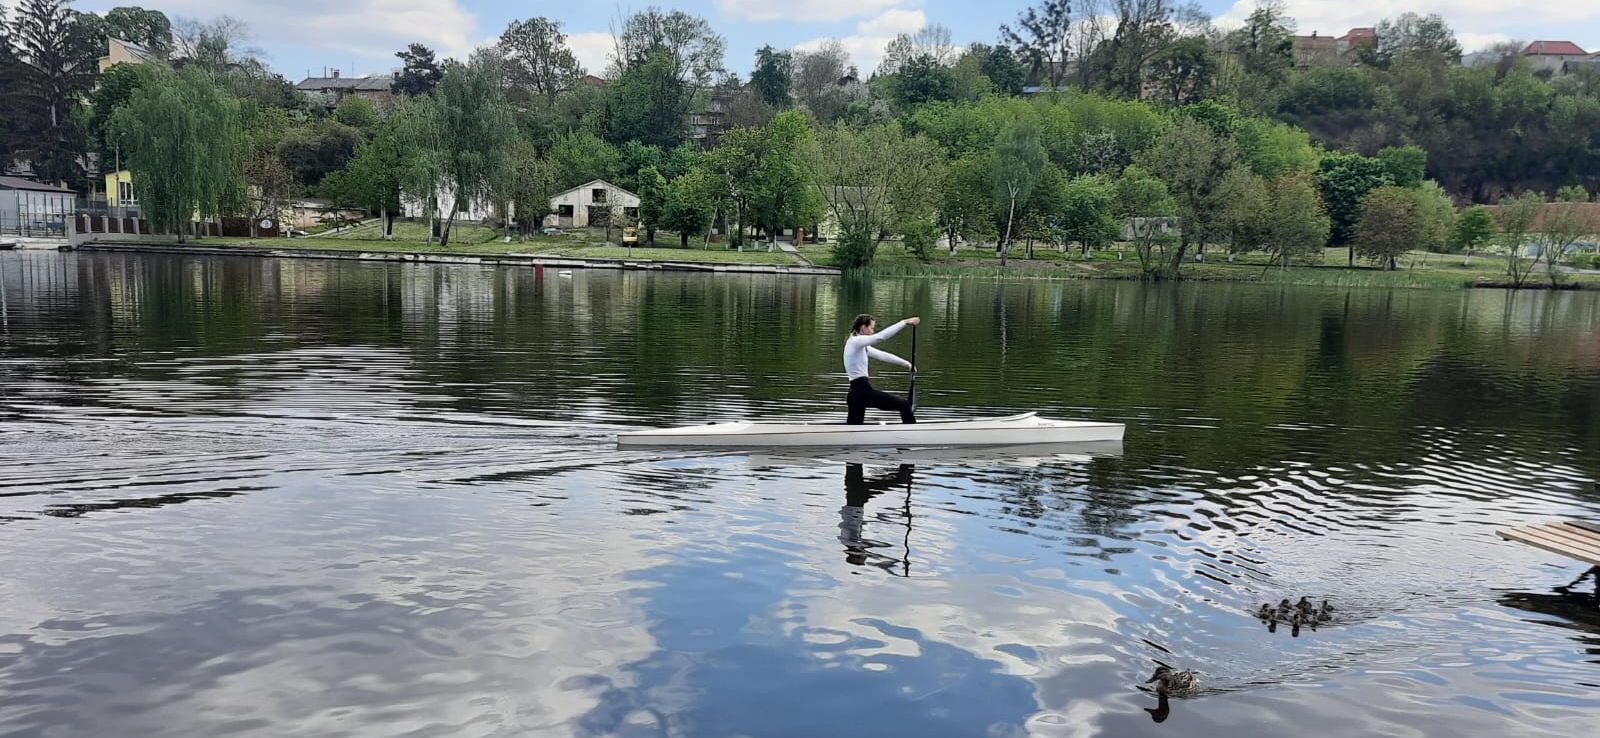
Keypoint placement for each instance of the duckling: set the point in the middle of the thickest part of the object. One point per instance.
(1174, 683)
(1265, 613)
(1285, 610)
(1326, 613)
(1304, 606)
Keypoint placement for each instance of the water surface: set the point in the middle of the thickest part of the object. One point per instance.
(249, 497)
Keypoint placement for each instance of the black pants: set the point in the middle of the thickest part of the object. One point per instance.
(863, 395)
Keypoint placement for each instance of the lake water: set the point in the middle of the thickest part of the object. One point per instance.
(300, 498)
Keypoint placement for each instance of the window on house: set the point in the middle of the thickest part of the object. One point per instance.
(564, 211)
(125, 193)
(631, 212)
(598, 195)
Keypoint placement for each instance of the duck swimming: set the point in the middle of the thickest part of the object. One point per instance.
(1174, 683)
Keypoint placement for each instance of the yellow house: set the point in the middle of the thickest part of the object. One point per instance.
(119, 191)
(119, 51)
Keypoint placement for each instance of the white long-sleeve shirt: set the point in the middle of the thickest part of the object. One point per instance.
(858, 348)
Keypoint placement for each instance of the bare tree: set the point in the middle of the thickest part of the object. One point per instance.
(1044, 36)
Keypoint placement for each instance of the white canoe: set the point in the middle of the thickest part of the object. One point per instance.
(1027, 428)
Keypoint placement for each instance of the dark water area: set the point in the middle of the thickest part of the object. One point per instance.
(247, 497)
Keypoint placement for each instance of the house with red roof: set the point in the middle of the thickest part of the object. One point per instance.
(1553, 56)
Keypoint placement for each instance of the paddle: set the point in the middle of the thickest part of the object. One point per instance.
(912, 396)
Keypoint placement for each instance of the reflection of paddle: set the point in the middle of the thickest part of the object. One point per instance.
(912, 396)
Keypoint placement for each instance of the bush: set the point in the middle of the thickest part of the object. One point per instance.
(920, 237)
(854, 249)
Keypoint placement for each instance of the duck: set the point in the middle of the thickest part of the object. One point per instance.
(1174, 683)
(1304, 606)
(1285, 610)
(1265, 613)
(1326, 612)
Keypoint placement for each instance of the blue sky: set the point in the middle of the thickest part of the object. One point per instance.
(360, 36)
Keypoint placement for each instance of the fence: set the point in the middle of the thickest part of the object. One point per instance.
(88, 226)
(32, 227)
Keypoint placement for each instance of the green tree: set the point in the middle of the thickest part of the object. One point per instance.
(317, 149)
(1344, 180)
(56, 65)
(1246, 209)
(1144, 205)
(419, 72)
(1043, 36)
(780, 191)
(1517, 218)
(1410, 35)
(652, 201)
(1297, 225)
(1018, 161)
(357, 112)
(1184, 70)
(1566, 221)
(1192, 160)
(1274, 149)
(1474, 229)
(690, 204)
(1406, 165)
(923, 79)
(580, 156)
(966, 205)
(472, 134)
(773, 76)
(1389, 225)
(648, 104)
(532, 182)
(1087, 213)
(1436, 216)
(150, 29)
(185, 147)
(859, 174)
(539, 65)
(1004, 70)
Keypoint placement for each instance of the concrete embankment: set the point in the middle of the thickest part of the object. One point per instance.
(426, 257)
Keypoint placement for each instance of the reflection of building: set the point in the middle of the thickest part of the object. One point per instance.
(580, 206)
(31, 208)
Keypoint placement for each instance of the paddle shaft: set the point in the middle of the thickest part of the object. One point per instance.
(913, 394)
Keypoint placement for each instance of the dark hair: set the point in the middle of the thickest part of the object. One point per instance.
(863, 320)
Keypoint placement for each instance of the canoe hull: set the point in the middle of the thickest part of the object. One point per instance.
(1026, 428)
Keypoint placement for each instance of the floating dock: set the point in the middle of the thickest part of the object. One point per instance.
(1571, 538)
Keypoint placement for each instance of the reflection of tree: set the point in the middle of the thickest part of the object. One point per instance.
(858, 490)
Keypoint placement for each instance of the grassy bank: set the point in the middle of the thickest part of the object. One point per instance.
(1418, 269)
(475, 239)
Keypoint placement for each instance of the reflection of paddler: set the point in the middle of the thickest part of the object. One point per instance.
(858, 489)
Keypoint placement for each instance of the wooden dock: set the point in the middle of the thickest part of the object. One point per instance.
(1571, 538)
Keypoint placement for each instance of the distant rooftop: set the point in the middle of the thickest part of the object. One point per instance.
(1554, 48)
(374, 83)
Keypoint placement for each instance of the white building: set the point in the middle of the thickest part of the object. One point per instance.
(577, 207)
(474, 212)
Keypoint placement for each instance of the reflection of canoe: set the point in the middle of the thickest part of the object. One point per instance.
(1029, 454)
(1026, 428)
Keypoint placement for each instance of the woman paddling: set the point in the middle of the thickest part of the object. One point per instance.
(863, 334)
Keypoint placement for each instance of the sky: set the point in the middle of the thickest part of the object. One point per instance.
(359, 37)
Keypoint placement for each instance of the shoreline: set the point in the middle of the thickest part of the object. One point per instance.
(1019, 269)
(445, 257)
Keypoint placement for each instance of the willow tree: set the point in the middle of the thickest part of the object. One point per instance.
(461, 139)
(867, 178)
(185, 146)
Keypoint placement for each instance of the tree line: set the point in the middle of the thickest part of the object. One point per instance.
(1083, 124)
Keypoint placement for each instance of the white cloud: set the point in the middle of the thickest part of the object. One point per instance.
(593, 49)
(1477, 23)
(366, 33)
(872, 35)
(801, 10)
